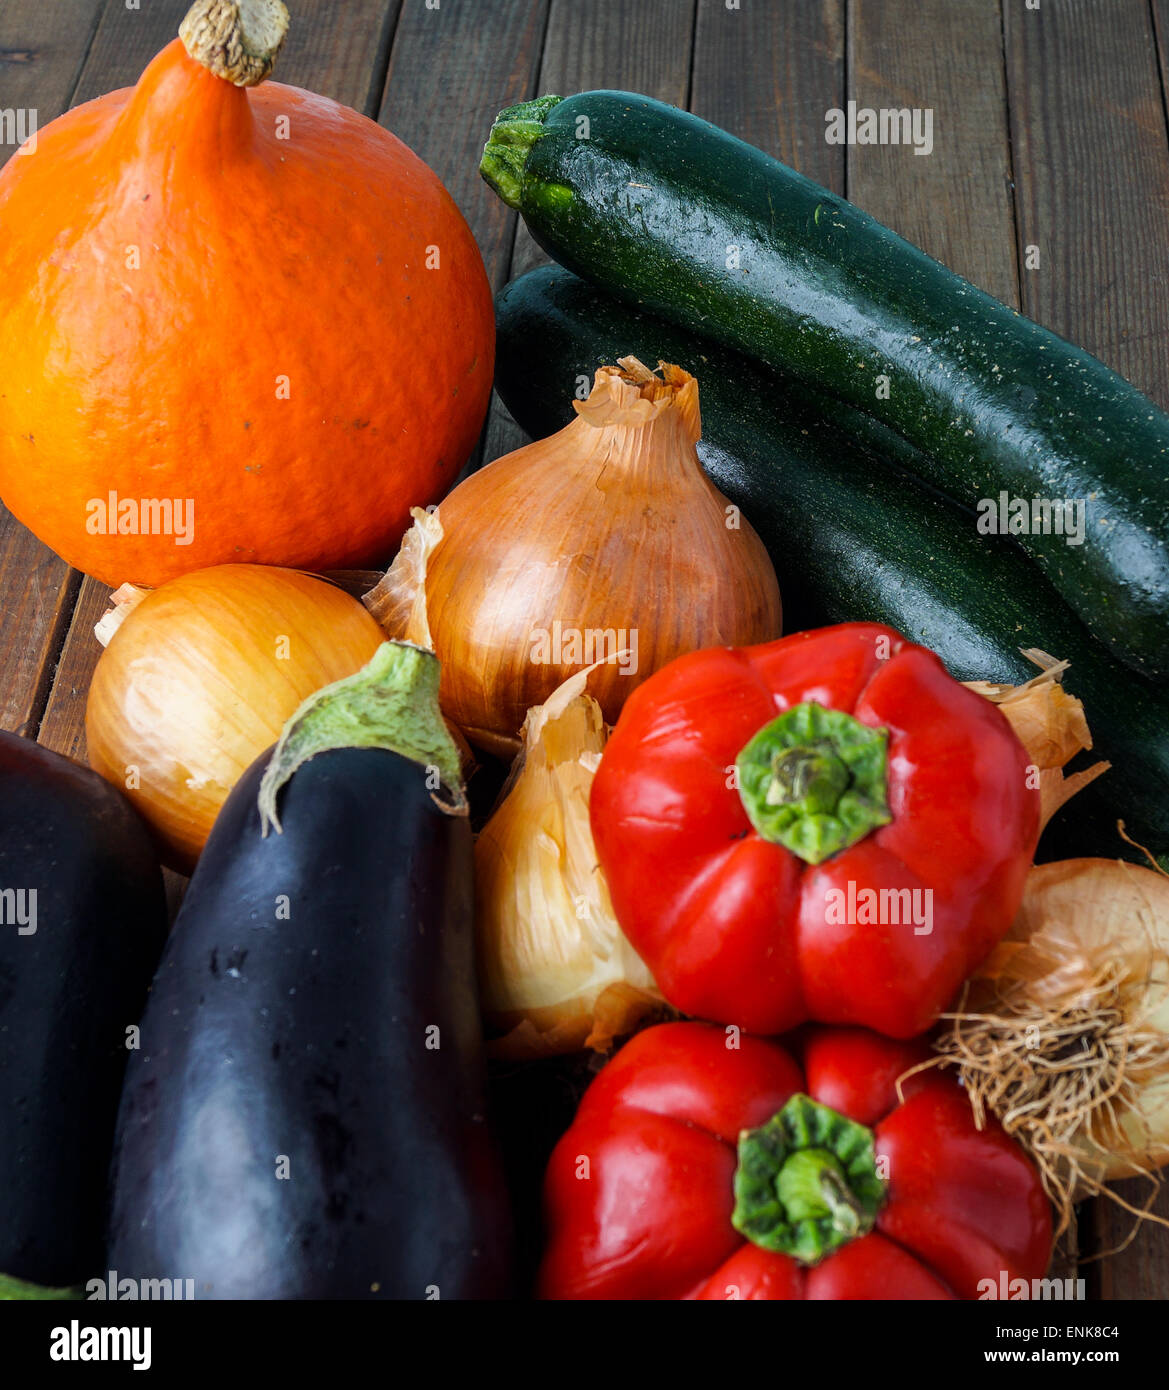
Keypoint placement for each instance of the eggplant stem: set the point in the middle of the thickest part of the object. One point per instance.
(391, 703)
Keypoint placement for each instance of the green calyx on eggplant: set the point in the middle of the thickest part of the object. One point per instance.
(82, 924)
(307, 1115)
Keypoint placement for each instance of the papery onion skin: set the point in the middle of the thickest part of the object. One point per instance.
(1078, 915)
(608, 527)
(556, 973)
(195, 685)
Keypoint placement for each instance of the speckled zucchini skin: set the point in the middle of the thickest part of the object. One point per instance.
(666, 210)
(852, 538)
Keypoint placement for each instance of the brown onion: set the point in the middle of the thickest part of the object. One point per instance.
(604, 538)
(1063, 1032)
(199, 678)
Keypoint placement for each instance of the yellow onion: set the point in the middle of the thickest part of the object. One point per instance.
(200, 676)
(556, 972)
(1063, 1033)
(605, 538)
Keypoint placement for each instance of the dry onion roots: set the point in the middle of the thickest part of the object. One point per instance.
(1064, 1032)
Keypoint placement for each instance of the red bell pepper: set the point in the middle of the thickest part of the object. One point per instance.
(700, 1169)
(827, 826)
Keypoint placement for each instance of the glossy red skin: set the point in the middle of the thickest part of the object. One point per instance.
(658, 1129)
(734, 927)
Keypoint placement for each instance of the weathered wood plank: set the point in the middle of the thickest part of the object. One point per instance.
(955, 201)
(345, 60)
(340, 51)
(1088, 124)
(768, 74)
(63, 725)
(451, 69)
(646, 48)
(1092, 171)
(37, 592)
(42, 49)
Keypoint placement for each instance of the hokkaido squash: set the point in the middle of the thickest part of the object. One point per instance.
(238, 322)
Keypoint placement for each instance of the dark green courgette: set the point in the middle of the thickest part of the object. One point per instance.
(664, 209)
(852, 538)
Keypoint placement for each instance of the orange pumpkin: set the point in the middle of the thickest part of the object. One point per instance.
(237, 322)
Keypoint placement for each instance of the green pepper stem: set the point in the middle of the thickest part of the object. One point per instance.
(806, 1183)
(814, 780)
(516, 130)
(811, 1184)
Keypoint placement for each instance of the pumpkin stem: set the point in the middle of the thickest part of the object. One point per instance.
(237, 40)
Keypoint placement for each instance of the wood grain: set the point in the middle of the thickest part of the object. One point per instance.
(42, 49)
(341, 51)
(479, 62)
(589, 44)
(451, 70)
(1092, 170)
(954, 202)
(63, 725)
(768, 74)
(1088, 124)
(37, 593)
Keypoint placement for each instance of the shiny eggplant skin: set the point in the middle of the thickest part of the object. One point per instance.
(306, 1118)
(73, 979)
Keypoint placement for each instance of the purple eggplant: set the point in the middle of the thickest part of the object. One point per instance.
(82, 924)
(306, 1117)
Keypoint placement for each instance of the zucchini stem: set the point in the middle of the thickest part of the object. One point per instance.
(516, 130)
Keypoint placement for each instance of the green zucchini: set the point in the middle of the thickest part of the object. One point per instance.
(666, 210)
(852, 537)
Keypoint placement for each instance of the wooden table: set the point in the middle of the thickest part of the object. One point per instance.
(1049, 132)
